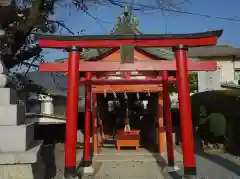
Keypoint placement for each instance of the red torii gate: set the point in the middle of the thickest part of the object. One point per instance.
(179, 42)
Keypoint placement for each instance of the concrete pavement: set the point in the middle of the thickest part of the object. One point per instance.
(128, 164)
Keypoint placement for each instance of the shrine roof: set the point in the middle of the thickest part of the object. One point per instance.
(216, 33)
(54, 84)
(214, 51)
(128, 29)
(157, 53)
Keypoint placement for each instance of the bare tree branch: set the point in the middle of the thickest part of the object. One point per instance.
(21, 25)
(18, 35)
(34, 59)
(60, 23)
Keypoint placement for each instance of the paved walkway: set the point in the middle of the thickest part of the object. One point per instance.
(219, 166)
(128, 164)
(143, 164)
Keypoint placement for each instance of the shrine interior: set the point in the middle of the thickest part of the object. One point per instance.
(141, 110)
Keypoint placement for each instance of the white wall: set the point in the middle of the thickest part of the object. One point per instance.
(225, 73)
(237, 64)
(226, 70)
(208, 81)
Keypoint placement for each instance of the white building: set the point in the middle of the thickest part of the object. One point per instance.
(228, 66)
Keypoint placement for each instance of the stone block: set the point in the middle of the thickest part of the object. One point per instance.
(30, 156)
(8, 96)
(22, 165)
(3, 80)
(16, 138)
(23, 171)
(86, 171)
(80, 137)
(12, 114)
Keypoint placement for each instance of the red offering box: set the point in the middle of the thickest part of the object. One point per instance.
(128, 139)
(132, 132)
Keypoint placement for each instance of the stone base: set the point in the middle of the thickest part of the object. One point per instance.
(12, 114)
(23, 171)
(172, 169)
(16, 138)
(22, 165)
(87, 171)
(191, 177)
(80, 137)
(8, 96)
(28, 157)
(72, 178)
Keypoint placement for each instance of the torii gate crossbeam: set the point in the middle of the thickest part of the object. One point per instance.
(162, 65)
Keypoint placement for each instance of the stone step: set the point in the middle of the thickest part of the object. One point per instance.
(26, 157)
(23, 165)
(12, 114)
(16, 138)
(8, 96)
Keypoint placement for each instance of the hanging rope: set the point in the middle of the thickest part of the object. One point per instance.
(116, 100)
(125, 96)
(138, 102)
(138, 96)
(105, 94)
(114, 95)
(127, 126)
(148, 94)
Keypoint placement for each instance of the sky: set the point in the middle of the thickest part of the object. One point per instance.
(155, 21)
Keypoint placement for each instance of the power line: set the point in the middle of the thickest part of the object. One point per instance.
(142, 7)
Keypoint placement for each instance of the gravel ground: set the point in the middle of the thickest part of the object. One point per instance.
(219, 166)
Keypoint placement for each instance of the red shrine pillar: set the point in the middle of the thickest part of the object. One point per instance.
(185, 111)
(94, 124)
(87, 122)
(161, 131)
(72, 113)
(168, 119)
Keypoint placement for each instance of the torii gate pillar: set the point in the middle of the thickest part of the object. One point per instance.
(87, 168)
(168, 120)
(185, 111)
(72, 113)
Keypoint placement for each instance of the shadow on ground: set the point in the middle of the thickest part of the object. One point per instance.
(219, 160)
(208, 166)
(207, 163)
(51, 135)
(162, 163)
(49, 160)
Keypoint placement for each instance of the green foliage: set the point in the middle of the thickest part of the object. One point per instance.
(223, 103)
(193, 83)
(217, 123)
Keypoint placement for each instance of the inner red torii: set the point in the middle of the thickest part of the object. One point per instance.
(179, 42)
